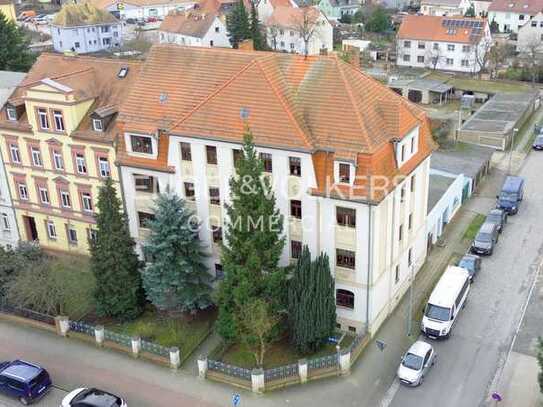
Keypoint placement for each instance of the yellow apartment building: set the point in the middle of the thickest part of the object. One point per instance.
(57, 136)
(7, 8)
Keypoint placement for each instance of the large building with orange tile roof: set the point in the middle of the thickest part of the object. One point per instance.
(445, 43)
(348, 160)
(58, 137)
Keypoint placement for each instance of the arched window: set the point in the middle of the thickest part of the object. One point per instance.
(345, 299)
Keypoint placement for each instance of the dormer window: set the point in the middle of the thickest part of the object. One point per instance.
(344, 173)
(11, 113)
(141, 144)
(98, 125)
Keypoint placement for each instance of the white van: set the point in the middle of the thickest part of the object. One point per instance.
(445, 303)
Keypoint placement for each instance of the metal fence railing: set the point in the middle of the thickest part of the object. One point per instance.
(26, 313)
(322, 362)
(281, 372)
(118, 338)
(82, 328)
(155, 348)
(229, 370)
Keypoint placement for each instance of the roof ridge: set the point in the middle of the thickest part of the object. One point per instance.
(282, 99)
(351, 98)
(213, 94)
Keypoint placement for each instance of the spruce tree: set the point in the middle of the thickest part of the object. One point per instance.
(254, 243)
(257, 33)
(114, 262)
(311, 303)
(14, 52)
(237, 24)
(176, 278)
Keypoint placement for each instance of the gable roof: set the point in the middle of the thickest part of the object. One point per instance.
(194, 23)
(517, 6)
(77, 15)
(439, 28)
(292, 17)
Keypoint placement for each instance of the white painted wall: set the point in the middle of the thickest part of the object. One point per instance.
(212, 38)
(445, 10)
(86, 39)
(460, 58)
(508, 21)
(531, 35)
(8, 236)
(158, 10)
(376, 253)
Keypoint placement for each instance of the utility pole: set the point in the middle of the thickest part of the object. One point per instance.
(410, 312)
(515, 131)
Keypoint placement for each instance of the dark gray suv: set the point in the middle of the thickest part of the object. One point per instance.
(486, 239)
(497, 216)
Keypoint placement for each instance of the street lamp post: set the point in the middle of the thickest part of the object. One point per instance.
(410, 312)
(515, 131)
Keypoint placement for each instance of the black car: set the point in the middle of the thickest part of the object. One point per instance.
(538, 142)
(486, 239)
(472, 263)
(498, 217)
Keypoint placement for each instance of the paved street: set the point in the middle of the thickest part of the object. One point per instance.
(467, 365)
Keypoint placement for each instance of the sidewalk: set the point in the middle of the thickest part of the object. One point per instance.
(522, 389)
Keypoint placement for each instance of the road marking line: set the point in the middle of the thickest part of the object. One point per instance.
(390, 394)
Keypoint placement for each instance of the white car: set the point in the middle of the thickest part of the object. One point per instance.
(85, 397)
(415, 363)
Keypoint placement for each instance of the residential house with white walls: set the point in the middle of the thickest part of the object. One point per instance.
(196, 28)
(299, 30)
(444, 7)
(83, 28)
(530, 35)
(9, 232)
(445, 43)
(356, 192)
(511, 15)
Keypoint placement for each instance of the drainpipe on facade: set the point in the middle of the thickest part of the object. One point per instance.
(370, 237)
(10, 197)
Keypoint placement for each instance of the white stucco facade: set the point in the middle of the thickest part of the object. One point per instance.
(9, 233)
(508, 21)
(443, 55)
(141, 10)
(288, 39)
(446, 8)
(530, 35)
(87, 39)
(216, 36)
(387, 240)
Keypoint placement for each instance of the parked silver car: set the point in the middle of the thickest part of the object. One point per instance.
(415, 363)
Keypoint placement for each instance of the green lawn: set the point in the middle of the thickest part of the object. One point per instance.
(479, 85)
(474, 226)
(279, 354)
(181, 331)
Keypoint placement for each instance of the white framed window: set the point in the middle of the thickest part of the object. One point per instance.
(44, 195)
(343, 172)
(43, 118)
(141, 144)
(80, 163)
(72, 235)
(11, 113)
(51, 230)
(36, 157)
(65, 200)
(97, 125)
(5, 222)
(58, 160)
(23, 192)
(450, 47)
(103, 163)
(86, 200)
(59, 120)
(15, 154)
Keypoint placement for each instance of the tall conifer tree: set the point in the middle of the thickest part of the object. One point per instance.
(114, 262)
(14, 52)
(176, 278)
(254, 243)
(237, 24)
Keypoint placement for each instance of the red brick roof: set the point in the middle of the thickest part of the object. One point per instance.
(316, 103)
(193, 23)
(438, 28)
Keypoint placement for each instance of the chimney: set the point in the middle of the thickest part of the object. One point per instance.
(246, 45)
(354, 56)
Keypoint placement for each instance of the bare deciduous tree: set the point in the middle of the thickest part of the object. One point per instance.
(304, 22)
(481, 53)
(433, 57)
(531, 55)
